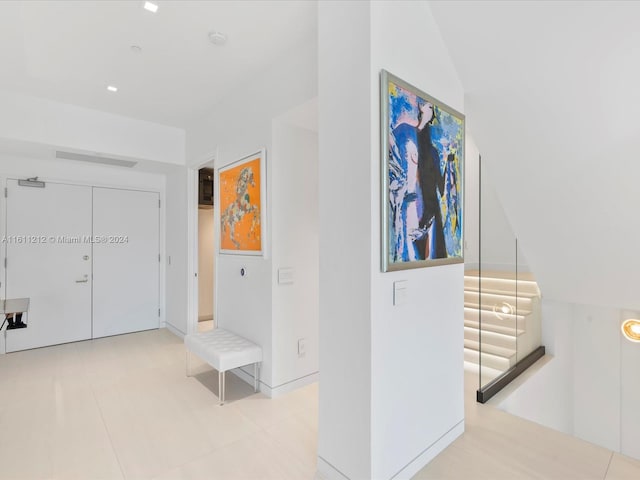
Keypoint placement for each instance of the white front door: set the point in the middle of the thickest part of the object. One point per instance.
(126, 265)
(49, 261)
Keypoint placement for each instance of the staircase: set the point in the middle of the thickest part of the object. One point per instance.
(510, 314)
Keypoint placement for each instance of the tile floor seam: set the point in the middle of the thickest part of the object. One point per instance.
(104, 422)
(606, 472)
(208, 452)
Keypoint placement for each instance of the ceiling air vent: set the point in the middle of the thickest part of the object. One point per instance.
(95, 159)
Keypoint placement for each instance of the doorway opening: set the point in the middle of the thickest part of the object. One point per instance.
(206, 248)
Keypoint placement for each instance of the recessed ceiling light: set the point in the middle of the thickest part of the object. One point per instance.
(150, 6)
(631, 330)
(217, 38)
(136, 48)
(111, 88)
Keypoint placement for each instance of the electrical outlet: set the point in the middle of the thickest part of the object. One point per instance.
(302, 347)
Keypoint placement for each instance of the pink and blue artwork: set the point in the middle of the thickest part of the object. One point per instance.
(423, 155)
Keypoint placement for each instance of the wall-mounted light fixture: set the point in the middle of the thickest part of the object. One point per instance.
(631, 330)
(503, 309)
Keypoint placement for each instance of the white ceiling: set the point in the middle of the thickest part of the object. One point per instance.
(552, 93)
(69, 51)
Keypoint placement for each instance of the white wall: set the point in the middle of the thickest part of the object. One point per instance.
(294, 225)
(206, 251)
(494, 246)
(629, 395)
(60, 125)
(345, 170)
(563, 166)
(596, 375)
(176, 251)
(398, 371)
(589, 388)
(417, 353)
(18, 166)
(238, 126)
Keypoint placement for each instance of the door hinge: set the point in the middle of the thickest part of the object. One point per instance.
(158, 312)
(158, 257)
(158, 203)
(6, 192)
(5, 262)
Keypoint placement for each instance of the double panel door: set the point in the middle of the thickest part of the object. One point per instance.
(87, 258)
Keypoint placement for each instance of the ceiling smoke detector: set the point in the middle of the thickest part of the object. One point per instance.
(217, 38)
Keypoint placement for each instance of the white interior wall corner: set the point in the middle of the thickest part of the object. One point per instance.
(424, 338)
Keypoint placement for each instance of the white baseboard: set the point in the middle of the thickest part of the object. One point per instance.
(174, 330)
(326, 471)
(273, 392)
(415, 465)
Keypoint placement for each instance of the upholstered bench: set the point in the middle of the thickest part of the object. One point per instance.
(224, 350)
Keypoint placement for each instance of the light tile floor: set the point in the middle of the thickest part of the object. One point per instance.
(122, 408)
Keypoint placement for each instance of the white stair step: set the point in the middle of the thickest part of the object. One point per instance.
(489, 317)
(493, 300)
(491, 338)
(508, 291)
(528, 287)
(508, 353)
(488, 360)
(503, 329)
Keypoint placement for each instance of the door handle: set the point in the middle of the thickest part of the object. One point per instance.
(85, 280)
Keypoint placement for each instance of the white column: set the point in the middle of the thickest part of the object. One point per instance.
(391, 382)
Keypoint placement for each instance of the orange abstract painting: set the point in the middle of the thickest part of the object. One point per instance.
(241, 206)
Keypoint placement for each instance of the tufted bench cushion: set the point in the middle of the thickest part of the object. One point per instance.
(223, 350)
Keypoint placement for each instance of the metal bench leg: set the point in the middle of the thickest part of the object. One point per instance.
(221, 386)
(256, 376)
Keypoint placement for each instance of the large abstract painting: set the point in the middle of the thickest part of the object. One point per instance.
(242, 205)
(422, 178)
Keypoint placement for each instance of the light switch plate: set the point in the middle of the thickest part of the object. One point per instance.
(285, 276)
(400, 292)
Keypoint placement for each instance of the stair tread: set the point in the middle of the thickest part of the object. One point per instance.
(522, 312)
(503, 292)
(505, 281)
(507, 353)
(494, 328)
(488, 359)
(500, 336)
(509, 297)
(500, 275)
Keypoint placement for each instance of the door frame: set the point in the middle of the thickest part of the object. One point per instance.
(160, 190)
(192, 243)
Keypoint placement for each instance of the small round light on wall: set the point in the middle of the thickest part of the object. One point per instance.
(505, 308)
(112, 88)
(217, 38)
(631, 330)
